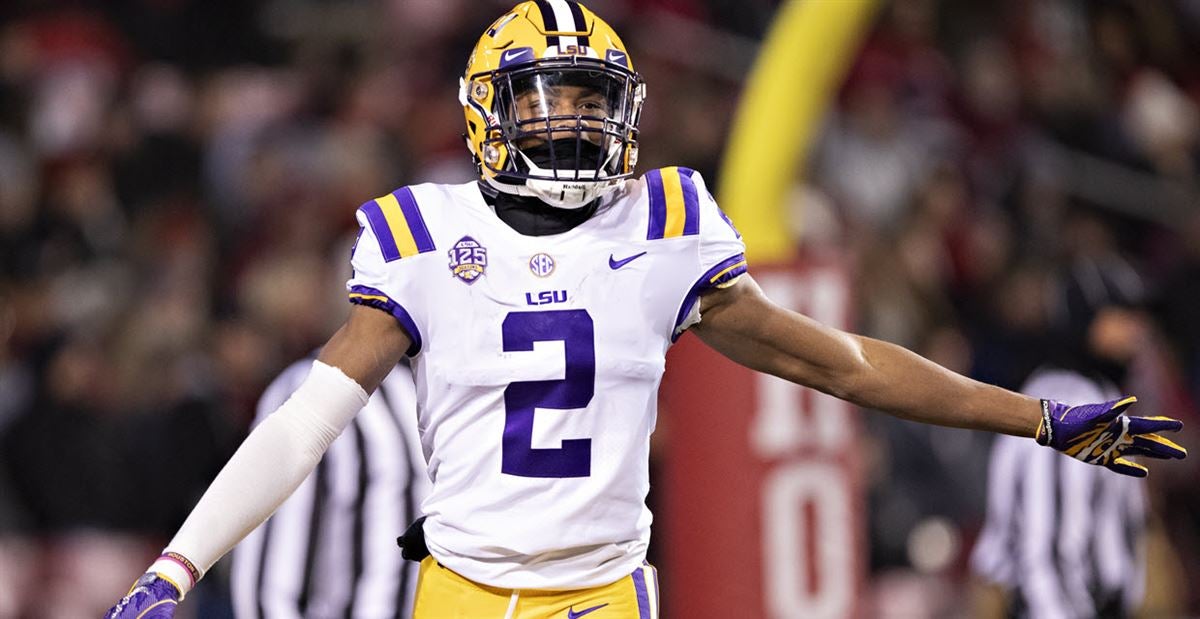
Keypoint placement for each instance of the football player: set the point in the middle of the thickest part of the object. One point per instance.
(537, 306)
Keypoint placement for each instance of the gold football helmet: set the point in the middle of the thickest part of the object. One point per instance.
(552, 104)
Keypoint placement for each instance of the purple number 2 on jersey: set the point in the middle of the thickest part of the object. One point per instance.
(575, 330)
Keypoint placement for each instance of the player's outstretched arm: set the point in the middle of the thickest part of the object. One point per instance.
(741, 323)
(273, 461)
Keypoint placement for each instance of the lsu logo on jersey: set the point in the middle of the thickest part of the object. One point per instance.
(546, 297)
(468, 259)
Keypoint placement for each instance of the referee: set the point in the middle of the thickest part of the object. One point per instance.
(330, 550)
(1064, 539)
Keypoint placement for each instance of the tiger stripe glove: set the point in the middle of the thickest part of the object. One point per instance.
(1104, 435)
(151, 597)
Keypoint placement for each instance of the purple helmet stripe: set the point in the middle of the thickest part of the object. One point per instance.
(658, 205)
(549, 21)
(379, 225)
(643, 598)
(416, 223)
(580, 24)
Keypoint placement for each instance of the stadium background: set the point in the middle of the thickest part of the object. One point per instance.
(177, 187)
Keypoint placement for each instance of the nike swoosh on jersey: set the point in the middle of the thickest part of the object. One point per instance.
(571, 614)
(616, 264)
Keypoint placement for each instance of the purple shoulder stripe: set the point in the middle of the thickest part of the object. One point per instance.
(378, 223)
(416, 223)
(658, 205)
(691, 202)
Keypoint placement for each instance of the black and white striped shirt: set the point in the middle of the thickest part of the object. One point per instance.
(1063, 537)
(330, 550)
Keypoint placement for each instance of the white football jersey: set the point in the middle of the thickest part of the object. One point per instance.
(537, 361)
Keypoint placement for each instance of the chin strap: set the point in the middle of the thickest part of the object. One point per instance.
(563, 195)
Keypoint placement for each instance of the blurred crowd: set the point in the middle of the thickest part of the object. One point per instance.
(978, 152)
(178, 181)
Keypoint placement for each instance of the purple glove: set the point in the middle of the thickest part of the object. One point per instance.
(1102, 434)
(151, 597)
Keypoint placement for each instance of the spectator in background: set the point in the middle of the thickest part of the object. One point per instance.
(1179, 300)
(1059, 540)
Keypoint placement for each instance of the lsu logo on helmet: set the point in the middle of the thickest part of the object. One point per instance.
(552, 104)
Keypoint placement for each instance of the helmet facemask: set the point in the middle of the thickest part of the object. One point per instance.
(565, 130)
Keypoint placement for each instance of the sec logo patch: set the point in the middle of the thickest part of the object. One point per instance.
(541, 265)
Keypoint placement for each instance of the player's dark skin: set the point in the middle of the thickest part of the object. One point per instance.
(563, 102)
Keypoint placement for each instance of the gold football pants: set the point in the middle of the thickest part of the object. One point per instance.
(443, 594)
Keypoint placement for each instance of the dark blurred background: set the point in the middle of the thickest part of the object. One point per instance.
(178, 180)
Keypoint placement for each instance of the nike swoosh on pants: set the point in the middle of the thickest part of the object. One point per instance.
(571, 614)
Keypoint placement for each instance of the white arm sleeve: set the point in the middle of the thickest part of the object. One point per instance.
(271, 463)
